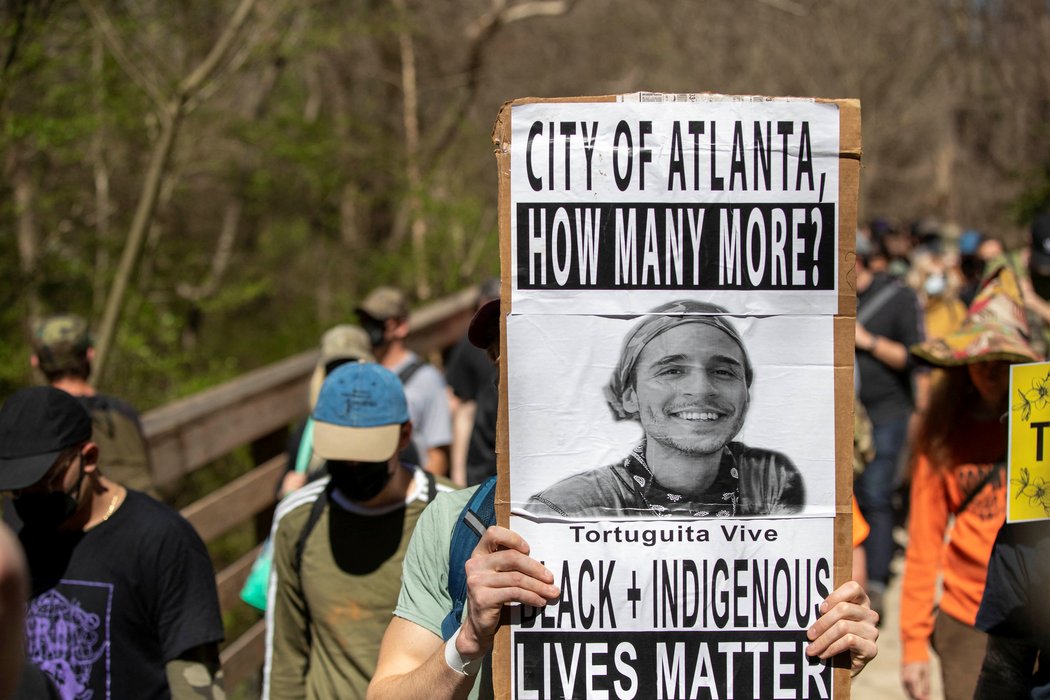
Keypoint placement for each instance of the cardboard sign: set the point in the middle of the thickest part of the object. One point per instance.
(676, 389)
(1028, 462)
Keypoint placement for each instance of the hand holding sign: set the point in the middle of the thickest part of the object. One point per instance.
(499, 572)
(847, 624)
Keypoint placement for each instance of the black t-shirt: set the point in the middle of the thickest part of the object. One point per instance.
(34, 684)
(111, 606)
(472, 377)
(885, 392)
(1014, 605)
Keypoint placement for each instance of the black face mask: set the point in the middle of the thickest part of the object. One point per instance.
(359, 481)
(46, 511)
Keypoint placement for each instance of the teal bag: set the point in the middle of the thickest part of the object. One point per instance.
(258, 582)
(257, 585)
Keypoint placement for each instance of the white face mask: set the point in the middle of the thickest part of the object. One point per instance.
(935, 284)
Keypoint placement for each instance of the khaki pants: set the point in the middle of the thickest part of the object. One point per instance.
(960, 648)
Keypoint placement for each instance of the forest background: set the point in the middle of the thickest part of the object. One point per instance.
(214, 182)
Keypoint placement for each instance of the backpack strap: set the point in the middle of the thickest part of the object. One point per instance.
(476, 517)
(881, 298)
(432, 487)
(311, 521)
(408, 370)
(991, 474)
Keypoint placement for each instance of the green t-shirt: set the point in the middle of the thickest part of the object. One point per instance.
(325, 621)
(424, 598)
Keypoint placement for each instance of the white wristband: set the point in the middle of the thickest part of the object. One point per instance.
(464, 667)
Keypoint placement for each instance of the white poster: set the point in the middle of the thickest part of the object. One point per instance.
(693, 609)
(733, 201)
(670, 393)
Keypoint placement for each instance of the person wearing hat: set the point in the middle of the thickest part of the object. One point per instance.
(384, 316)
(339, 345)
(63, 351)
(685, 376)
(338, 543)
(123, 600)
(958, 488)
(472, 379)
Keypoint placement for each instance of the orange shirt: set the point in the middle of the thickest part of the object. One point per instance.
(860, 526)
(962, 560)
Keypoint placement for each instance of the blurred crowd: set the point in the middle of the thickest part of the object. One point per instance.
(100, 570)
(942, 313)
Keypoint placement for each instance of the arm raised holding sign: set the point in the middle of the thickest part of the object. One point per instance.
(413, 662)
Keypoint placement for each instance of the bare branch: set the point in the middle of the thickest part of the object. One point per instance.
(788, 6)
(410, 117)
(540, 8)
(172, 114)
(481, 33)
(121, 52)
(195, 80)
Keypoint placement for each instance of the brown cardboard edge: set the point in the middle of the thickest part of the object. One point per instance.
(843, 330)
(849, 192)
(501, 131)
(843, 325)
(849, 189)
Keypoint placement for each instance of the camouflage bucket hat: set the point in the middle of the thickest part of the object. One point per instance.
(995, 328)
(61, 342)
(383, 303)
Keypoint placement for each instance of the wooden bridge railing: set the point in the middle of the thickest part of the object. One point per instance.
(256, 410)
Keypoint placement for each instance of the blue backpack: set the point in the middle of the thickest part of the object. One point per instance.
(474, 519)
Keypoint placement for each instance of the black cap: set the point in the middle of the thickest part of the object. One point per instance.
(36, 424)
(484, 327)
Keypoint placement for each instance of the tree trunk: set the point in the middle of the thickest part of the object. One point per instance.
(413, 171)
(100, 169)
(136, 235)
(24, 192)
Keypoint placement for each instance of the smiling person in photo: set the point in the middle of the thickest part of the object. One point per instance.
(685, 376)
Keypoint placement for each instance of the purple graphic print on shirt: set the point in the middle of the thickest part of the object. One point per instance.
(66, 640)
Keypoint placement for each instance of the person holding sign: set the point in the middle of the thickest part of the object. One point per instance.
(959, 476)
(415, 662)
(685, 375)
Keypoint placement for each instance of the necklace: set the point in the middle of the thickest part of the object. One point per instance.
(112, 506)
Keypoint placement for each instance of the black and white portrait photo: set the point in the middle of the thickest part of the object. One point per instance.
(685, 412)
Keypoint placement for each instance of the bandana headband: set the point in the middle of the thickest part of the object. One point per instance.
(671, 315)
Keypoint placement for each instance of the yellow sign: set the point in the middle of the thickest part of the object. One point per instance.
(1028, 464)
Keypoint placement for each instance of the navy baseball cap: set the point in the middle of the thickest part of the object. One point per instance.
(359, 413)
(36, 425)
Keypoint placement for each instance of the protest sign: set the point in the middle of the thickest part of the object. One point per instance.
(1028, 462)
(676, 389)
